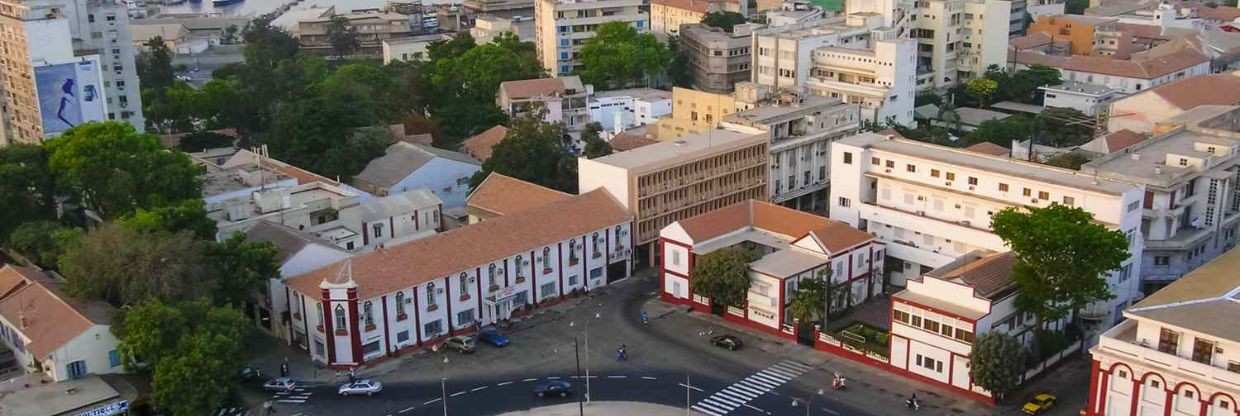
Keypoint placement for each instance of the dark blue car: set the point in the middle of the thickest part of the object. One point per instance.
(493, 337)
(553, 388)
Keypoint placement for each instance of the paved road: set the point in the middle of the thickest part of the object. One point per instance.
(661, 356)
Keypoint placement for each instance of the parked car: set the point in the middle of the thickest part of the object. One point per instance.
(249, 373)
(461, 343)
(365, 386)
(492, 336)
(280, 384)
(553, 388)
(731, 342)
(1039, 404)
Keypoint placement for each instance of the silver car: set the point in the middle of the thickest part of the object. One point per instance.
(366, 387)
(280, 384)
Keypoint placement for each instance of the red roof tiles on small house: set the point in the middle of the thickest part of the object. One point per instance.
(37, 307)
(482, 145)
(500, 194)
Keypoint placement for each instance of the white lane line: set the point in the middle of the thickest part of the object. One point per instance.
(291, 401)
(406, 410)
(731, 402)
(795, 365)
(747, 389)
(774, 378)
(504, 383)
(754, 408)
(782, 372)
(830, 411)
(709, 406)
(457, 393)
(739, 393)
(690, 387)
(617, 376)
(706, 411)
(430, 401)
(766, 385)
(529, 380)
(648, 378)
(479, 388)
(553, 378)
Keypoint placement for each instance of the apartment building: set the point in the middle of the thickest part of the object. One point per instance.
(487, 27)
(372, 28)
(800, 131)
(958, 39)
(1140, 72)
(562, 27)
(718, 59)
(406, 166)
(694, 112)
(564, 99)
(415, 294)
(1192, 190)
(793, 246)
(881, 78)
(783, 55)
(1077, 30)
(619, 110)
(50, 41)
(667, 16)
(933, 204)
(1089, 99)
(1141, 111)
(1178, 352)
(51, 333)
(672, 180)
(409, 49)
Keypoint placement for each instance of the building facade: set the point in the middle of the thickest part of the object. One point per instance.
(564, 99)
(415, 294)
(619, 110)
(51, 333)
(672, 180)
(372, 29)
(667, 16)
(881, 78)
(783, 55)
(1191, 206)
(793, 246)
(694, 112)
(933, 204)
(717, 58)
(408, 49)
(1176, 354)
(406, 167)
(562, 27)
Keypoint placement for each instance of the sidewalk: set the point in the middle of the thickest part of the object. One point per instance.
(605, 409)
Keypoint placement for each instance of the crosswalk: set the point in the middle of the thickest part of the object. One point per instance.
(299, 395)
(742, 392)
(232, 411)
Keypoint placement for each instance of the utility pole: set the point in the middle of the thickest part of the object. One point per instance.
(443, 385)
(581, 406)
(688, 400)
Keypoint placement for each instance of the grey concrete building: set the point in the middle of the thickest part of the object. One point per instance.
(718, 59)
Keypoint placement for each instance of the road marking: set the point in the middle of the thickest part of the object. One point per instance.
(617, 376)
(690, 387)
(830, 411)
(408, 410)
(290, 401)
(504, 383)
(430, 401)
(648, 378)
(479, 388)
(707, 408)
(553, 378)
(754, 408)
(529, 380)
(457, 393)
(743, 391)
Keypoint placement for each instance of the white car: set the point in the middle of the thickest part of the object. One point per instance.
(280, 384)
(367, 387)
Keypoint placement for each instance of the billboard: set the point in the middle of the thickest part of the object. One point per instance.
(70, 94)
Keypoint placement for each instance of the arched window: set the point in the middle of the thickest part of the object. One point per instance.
(597, 245)
(400, 303)
(341, 325)
(572, 252)
(464, 284)
(368, 315)
(547, 258)
(430, 293)
(520, 265)
(491, 275)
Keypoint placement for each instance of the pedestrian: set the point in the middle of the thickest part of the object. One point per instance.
(645, 318)
(352, 375)
(284, 368)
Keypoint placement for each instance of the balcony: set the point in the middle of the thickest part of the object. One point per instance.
(961, 231)
(1121, 341)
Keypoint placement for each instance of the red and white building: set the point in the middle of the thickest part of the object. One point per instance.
(1178, 352)
(795, 245)
(414, 294)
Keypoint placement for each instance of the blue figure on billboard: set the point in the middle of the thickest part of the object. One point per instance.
(67, 100)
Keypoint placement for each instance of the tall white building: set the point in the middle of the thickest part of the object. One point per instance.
(881, 79)
(561, 27)
(783, 55)
(933, 204)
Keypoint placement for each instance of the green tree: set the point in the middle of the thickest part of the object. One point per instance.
(451, 48)
(202, 140)
(27, 187)
(1069, 160)
(1064, 127)
(679, 69)
(320, 133)
(462, 87)
(982, 89)
(190, 348)
(230, 35)
(1076, 6)
(618, 56)
(188, 215)
(342, 36)
(1002, 132)
(266, 45)
(43, 242)
(155, 65)
(997, 363)
(123, 266)
(241, 268)
(723, 275)
(1061, 256)
(533, 151)
(595, 145)
(116, 170)
(809, 302)
(723, 19)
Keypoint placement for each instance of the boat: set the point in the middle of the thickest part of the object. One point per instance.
(218, 3)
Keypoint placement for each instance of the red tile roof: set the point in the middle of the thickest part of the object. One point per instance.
(1189, 93)
(988, 275)
(1148, 68)
(1121, 139)
(414, 263)
(751, 213)
(989, 149)
(503, 195)
(481, 146)
(39, 309)
(838, 236)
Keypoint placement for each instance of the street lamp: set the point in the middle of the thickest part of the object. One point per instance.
(587, 331)
(443, 385)
(809, 402)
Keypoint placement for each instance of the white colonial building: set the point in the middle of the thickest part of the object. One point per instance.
(414, 294)
(51, 333)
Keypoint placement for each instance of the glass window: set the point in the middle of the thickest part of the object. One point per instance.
(114, 358)
(368, 315)
(341, 325)
(547, 257)
(400, 303)
(464, 285)
(1168, 341)
(430, 294)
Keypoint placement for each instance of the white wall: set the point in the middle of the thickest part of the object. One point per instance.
(592, 175)
(92, 347)
(447, 179)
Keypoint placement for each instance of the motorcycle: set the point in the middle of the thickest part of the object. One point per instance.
(838, 383)
(621, 355)
(913, 403)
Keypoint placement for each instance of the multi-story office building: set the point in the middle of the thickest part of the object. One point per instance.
(718, 59)
(800, 130)
(1192, 190)
(934, 204)
(672, 180)
(881, 78)
(86, 41)
(372, 29)
(562, 27)
(783, 55)
(1178, 353)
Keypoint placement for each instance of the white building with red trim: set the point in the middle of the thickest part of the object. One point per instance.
(795, 245)
(524, 256)
(1178, 352)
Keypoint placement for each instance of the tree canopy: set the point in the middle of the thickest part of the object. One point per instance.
(595, 146)
(463, 81)
(534, 151)
(997, 363)
(342, 36)
(982, 89)
(723, 19)
(809, 302)
(28, 187)
(1061, 257)
(723, 275)
(123, 266)
(618, 57)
